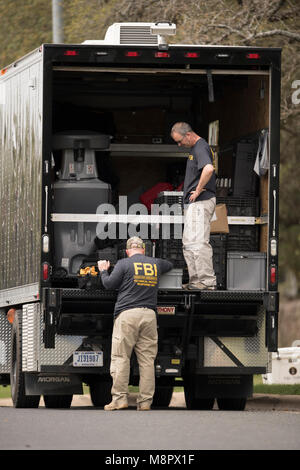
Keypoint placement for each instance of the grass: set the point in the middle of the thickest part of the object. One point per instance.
(5, 392)
(258, 387)
(275, 389)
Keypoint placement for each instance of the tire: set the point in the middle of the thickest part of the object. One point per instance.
(58, 401)
(193, 402)
(235, 404)
(162, 396)
(17, 377)
(100, 391)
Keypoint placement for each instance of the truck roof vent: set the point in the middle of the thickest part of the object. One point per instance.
(137, 34)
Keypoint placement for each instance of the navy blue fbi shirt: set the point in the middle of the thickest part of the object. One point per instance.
(200, 156)
(136, 279)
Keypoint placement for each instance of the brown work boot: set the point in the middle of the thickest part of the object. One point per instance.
(143, 407)
(113, 405)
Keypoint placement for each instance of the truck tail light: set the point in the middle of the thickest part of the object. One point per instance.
(46, 271)
(191, 55)
(273, 274)
(162, 55)
(70, 52)
(132, 54)
(253, 55)
(11, 315)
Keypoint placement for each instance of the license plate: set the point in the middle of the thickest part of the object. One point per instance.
(88, 359)
(167, 310)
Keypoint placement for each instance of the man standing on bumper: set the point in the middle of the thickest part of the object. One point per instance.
(135, 325)
(199, 194)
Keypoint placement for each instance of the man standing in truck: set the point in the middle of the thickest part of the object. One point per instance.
(135, 324)
(199, 193)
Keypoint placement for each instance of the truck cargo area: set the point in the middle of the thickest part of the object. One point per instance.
(137, 109)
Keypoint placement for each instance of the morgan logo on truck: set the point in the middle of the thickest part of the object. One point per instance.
(62, 379)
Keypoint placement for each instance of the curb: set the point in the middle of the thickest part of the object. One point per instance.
(257, 402)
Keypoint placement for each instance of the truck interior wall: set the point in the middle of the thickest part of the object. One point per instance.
(147, 172)
(242, 110)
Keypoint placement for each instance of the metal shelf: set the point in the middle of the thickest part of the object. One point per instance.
(147, 150)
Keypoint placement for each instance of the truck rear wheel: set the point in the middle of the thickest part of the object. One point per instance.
(192, 401)
(162, 396)
(236, 404)
(58, 401)
(17, 377)
(100, 391)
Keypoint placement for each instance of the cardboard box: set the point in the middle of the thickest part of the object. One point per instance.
(220, 223)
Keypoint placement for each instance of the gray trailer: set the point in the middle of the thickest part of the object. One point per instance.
(84, 126)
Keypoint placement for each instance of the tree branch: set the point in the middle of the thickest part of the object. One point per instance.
(276, 9)
(232, 30)
(276, 32)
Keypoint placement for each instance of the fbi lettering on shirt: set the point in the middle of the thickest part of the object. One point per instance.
(145, 274)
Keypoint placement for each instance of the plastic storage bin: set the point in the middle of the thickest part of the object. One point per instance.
(171, 280)
(243, 238)
(170, 198)
(246, 270)
(171, 250)
(240, 206)
(285, 367)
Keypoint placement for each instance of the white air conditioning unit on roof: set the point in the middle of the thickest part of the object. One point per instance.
(143, 34)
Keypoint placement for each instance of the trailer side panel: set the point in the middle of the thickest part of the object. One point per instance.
(20, 179)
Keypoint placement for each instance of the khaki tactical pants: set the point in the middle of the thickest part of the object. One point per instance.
(134, 329)
(197, 250)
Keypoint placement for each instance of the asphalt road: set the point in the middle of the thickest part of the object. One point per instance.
(84, 427)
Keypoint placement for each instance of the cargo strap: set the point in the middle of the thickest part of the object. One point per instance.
(189, 305)
(211, 96)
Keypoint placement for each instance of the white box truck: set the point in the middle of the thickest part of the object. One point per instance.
(86, 127)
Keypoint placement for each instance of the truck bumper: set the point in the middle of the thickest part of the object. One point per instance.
(218, 331)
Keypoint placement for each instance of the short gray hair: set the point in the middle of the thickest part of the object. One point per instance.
(181, 128)
(135, 242)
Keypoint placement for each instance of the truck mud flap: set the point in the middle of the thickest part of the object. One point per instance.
(53, 384)
(224, 386)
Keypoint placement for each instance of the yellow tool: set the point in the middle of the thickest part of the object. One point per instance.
(88, 270)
